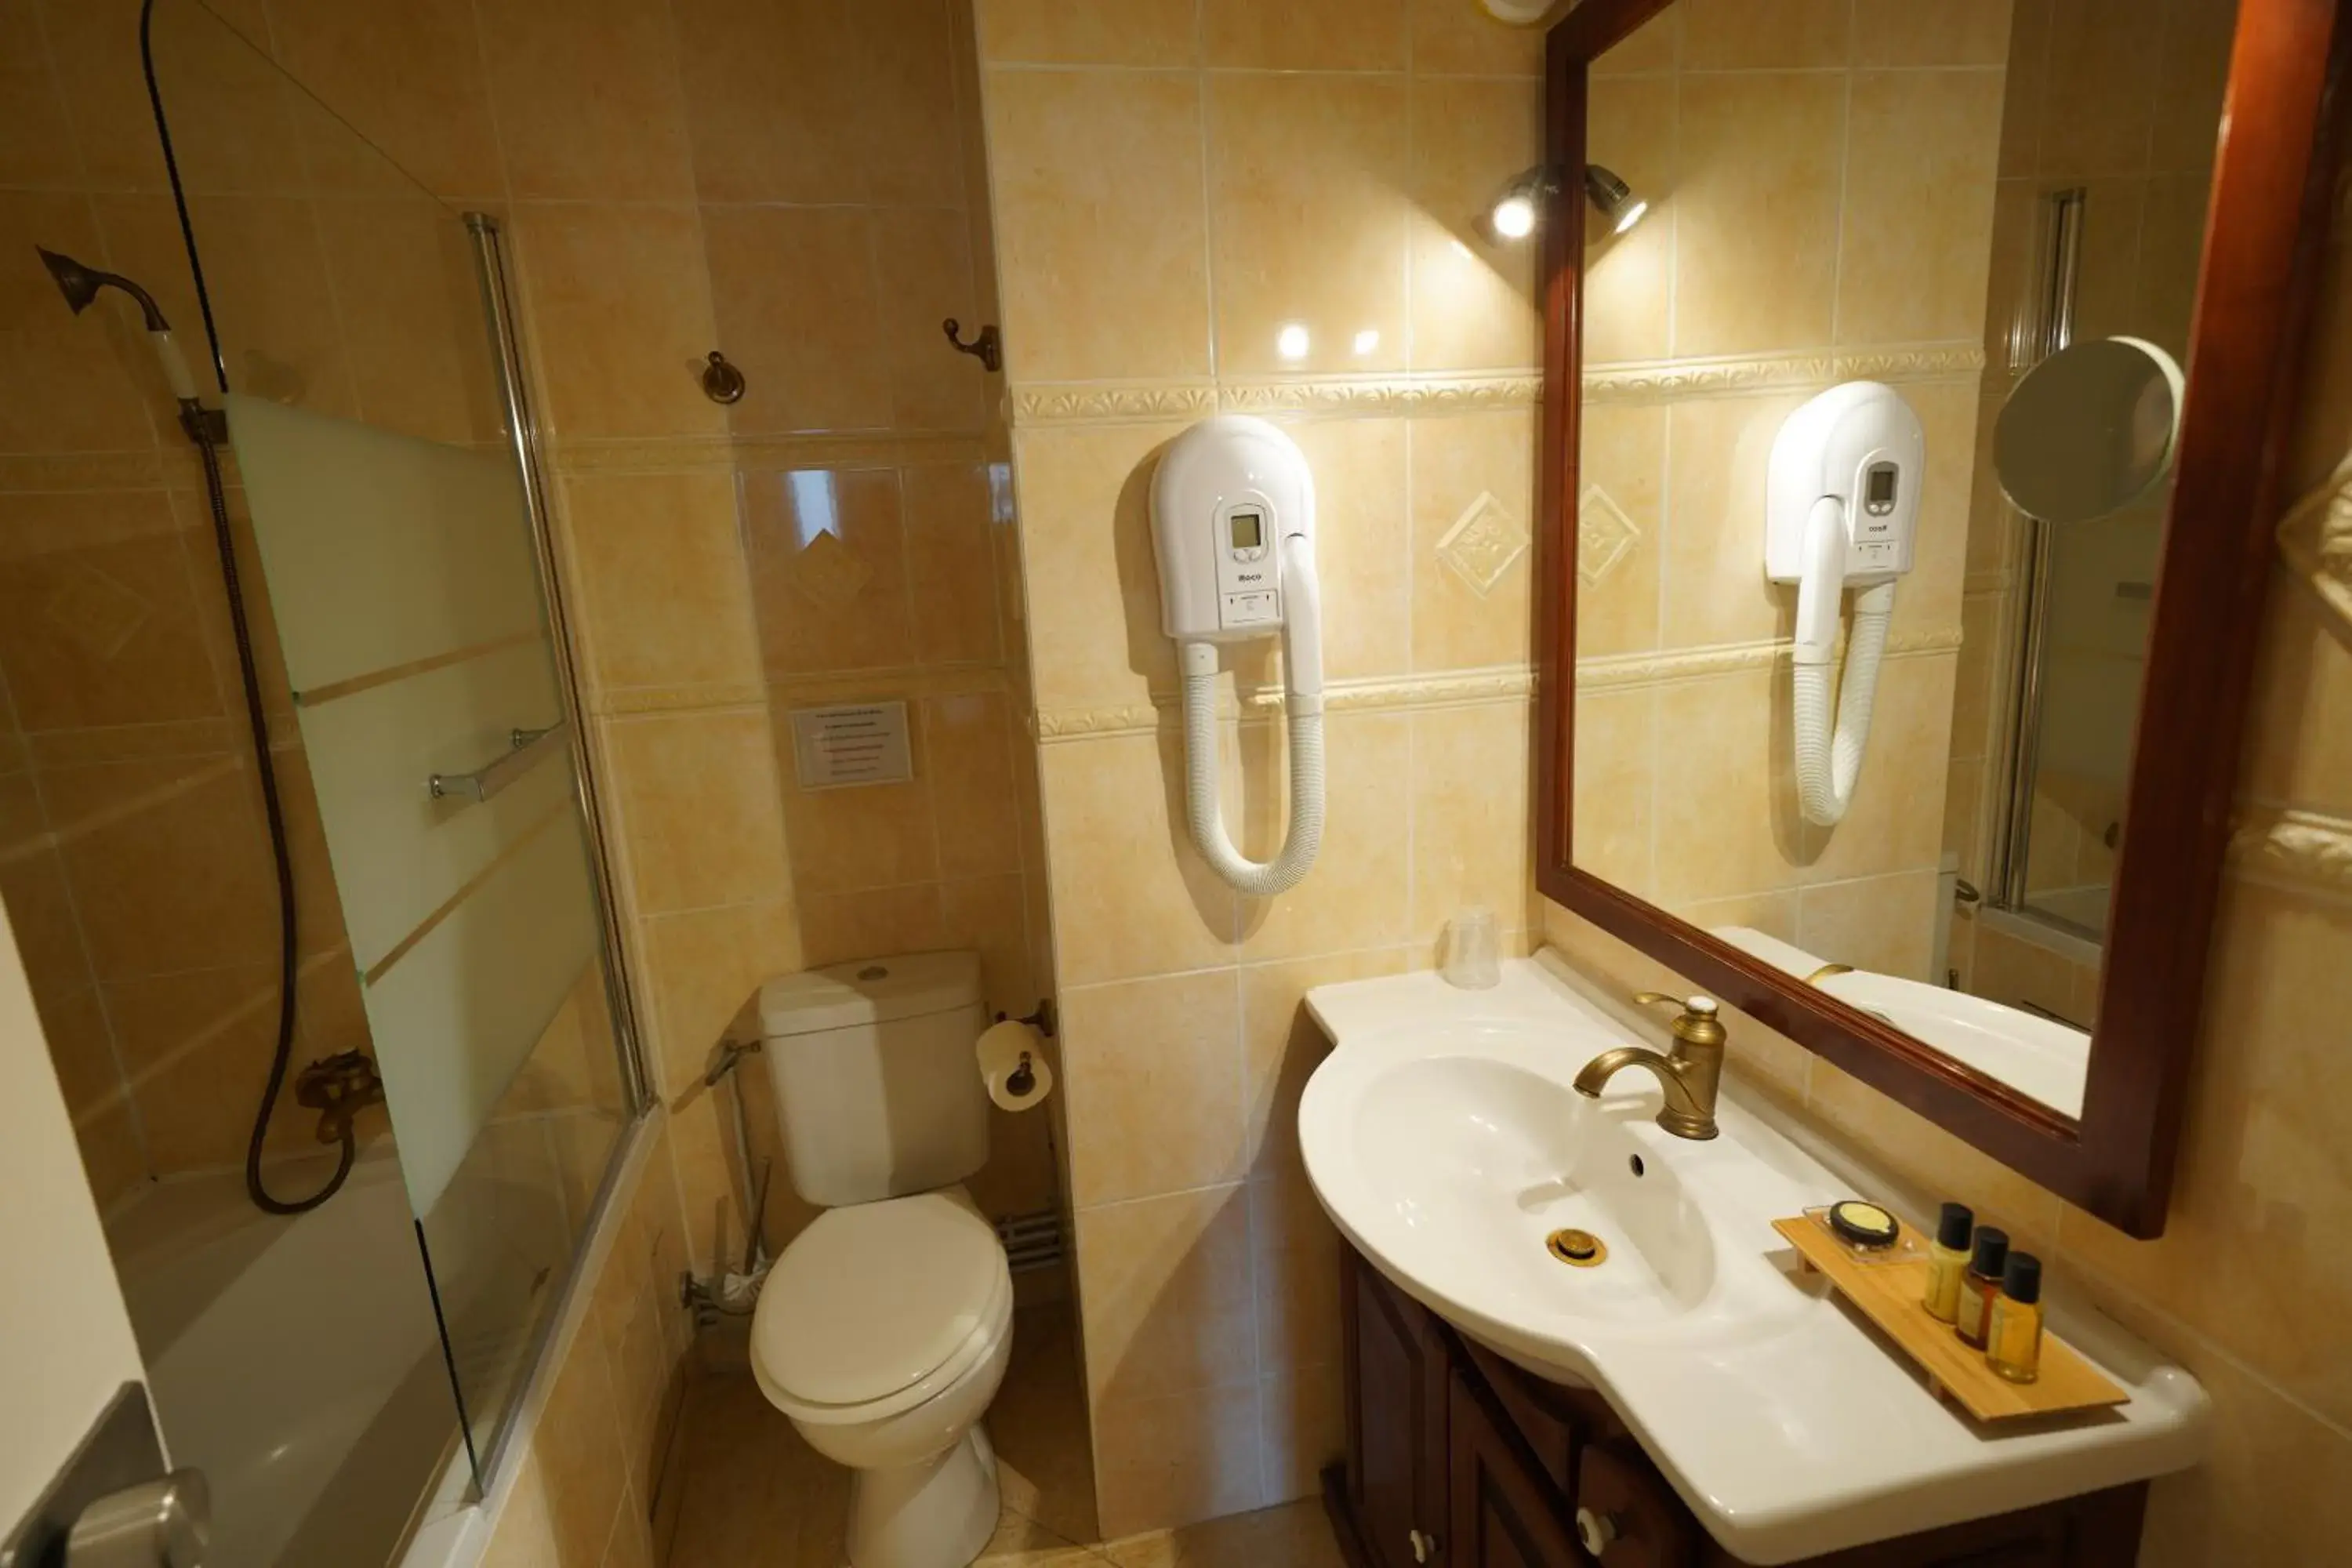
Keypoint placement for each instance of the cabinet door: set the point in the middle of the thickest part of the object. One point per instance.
(1628, 1517)
(1396, 1421)
(1502, 1509)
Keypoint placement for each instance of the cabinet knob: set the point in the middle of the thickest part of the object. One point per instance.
(1596, 1533)
(1424, 1547)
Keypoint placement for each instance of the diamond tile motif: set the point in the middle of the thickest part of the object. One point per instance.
(1484, 543)
(1604, 535)
(827, 575)
(94, 612)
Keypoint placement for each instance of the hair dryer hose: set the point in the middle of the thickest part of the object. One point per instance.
(1206, 817)
(1829, 764)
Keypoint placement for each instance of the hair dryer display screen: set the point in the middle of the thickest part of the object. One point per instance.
(1249, 529)
(1878, 498)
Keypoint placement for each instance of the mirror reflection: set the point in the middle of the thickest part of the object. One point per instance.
(2089, 430)
(1873, 478)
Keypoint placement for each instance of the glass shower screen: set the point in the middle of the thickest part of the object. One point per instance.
(413, 671)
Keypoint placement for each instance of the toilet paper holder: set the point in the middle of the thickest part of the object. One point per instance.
(1042, 1020)
(1022, 1080)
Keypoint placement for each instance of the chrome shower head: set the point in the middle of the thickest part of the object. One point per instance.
(81, 285)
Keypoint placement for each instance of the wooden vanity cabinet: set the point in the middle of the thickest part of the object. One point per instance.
(1399, 1360)
(1501, 1514)
(1458, 1459)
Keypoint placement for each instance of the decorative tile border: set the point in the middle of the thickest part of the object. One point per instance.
(1658, 380)
(1063, 403)
(1094, 724)
(1049, 404)
(1616, 671)
(1360, 396)
(2307, 849)
(2316, 541)
(1371, 396)
(1465, 688)
(1451, 688)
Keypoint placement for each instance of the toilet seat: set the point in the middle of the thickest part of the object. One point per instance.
(874, 1309)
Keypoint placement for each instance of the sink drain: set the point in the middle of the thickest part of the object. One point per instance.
(1577, 1248)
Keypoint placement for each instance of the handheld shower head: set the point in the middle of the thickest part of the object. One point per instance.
(81, 285)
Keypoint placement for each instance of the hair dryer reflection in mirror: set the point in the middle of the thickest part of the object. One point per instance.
(1841, 509)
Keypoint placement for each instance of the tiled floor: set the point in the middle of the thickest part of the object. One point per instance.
(756, 1496)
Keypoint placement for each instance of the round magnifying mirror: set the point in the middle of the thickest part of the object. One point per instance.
(2089, 430)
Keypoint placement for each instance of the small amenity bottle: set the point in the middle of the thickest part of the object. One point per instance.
(1981, 1284)
(2013, 1343)
(1947, 1262)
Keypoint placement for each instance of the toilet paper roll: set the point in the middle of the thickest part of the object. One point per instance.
(1004, 1049)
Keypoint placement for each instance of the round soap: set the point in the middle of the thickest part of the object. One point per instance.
(1864, 1224)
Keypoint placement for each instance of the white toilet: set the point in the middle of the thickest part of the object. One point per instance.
(884, 1329)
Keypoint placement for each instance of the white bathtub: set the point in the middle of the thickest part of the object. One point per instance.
(295, 1360)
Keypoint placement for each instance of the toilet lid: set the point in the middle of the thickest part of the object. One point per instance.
(870, 1301)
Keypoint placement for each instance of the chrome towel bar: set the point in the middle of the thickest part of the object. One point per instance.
(530, 747)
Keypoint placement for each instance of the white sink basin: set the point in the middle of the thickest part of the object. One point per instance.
(1445, 1140)
(1483, 1158)
(1461, 1147)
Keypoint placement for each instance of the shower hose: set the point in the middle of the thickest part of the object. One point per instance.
(202, 428)
(273, 808)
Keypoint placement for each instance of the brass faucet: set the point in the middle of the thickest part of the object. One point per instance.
(1690, 1074)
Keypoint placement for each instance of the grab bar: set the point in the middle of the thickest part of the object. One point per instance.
(531, 747)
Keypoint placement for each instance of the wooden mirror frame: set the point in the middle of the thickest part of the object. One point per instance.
(2267, 223)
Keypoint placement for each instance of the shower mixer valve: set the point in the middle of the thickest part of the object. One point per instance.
(338, 1088)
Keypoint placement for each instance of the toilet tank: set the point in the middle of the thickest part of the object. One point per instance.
(876, 1084)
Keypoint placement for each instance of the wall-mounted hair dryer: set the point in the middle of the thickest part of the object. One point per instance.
(1232, 524)
(1842, 509)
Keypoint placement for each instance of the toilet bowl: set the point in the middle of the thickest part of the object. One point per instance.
(883, 1333)
(883, 1329)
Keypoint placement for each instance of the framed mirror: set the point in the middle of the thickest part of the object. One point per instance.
(1908, 462)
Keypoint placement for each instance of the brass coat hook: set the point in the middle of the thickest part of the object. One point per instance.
(988, 348)
(721, 381)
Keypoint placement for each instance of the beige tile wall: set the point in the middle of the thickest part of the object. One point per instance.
(2125, 106)
(584, 1494)
(2246, 1288)
(1822, 180)
(1172, 188)
(133, 855)
(818, 236)
(132, 848)
(841, 534)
